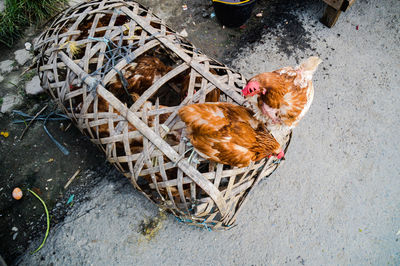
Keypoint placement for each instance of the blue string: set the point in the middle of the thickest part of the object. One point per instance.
(113, 56)
(183, 220)
(203, 223)
(39, 117)
(105, 40)
(45, 118)
(59, 146)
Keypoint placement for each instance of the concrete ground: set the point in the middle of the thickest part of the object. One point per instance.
(335, 201)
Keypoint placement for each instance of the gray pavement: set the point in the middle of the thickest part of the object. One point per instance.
(336, 199)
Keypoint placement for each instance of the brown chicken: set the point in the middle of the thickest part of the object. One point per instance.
(138, 76)
(281, 98)
(212, 96)
(228, 134)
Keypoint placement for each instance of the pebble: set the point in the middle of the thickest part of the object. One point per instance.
(22, 56)
(10, 101)
(28, 46)
(15, 229)
(183, 33)
(6, 66)
(12, 80)
(33, 86)
(15, 235)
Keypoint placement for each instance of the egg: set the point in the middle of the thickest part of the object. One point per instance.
(17, 193)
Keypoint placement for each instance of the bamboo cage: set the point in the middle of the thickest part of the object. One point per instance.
(90, 45)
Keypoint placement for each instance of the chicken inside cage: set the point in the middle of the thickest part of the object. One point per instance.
(129, 83)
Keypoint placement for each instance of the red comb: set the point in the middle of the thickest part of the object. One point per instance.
(279, 156)
(252, 88)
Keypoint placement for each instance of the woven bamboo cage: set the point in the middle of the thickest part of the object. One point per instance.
(88, 46)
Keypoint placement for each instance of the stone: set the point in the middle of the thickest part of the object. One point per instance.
(11, 80)
(22, 56)
(1, 78)
(28, 46)
(33, 86)
(183, 33)
(2, 6)
(10, 101)
(6, 66)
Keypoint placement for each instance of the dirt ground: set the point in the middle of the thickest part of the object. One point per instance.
(36, 163)
(334, 201)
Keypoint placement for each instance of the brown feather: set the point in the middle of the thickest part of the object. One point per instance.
(212, 96)
(288, 90)
(140, 75)
(227, 133)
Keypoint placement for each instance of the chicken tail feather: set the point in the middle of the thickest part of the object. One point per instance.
(311, 64)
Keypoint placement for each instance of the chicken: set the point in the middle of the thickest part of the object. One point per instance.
(228, 134)
(281, 98)
(138, 76)
(212, 96)
(86, 25)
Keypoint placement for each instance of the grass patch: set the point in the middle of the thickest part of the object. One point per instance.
(18, 14)
(29, 75)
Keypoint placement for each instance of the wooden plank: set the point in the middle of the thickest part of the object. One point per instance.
(330, 16)
(336, 4)
(347, 4)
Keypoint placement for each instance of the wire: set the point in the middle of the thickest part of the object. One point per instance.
(48, 221)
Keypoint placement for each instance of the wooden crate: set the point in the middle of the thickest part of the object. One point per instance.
(333, 10)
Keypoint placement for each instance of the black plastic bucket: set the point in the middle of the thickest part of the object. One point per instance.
(233, 13)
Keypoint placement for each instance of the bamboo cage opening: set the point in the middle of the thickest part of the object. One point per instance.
(95, 60)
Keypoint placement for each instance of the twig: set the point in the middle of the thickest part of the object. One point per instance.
(72, 178)
(32, 66)
(30, 122)
(48, 221)
(69, 125)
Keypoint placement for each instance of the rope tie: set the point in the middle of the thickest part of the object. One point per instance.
(105, 40)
